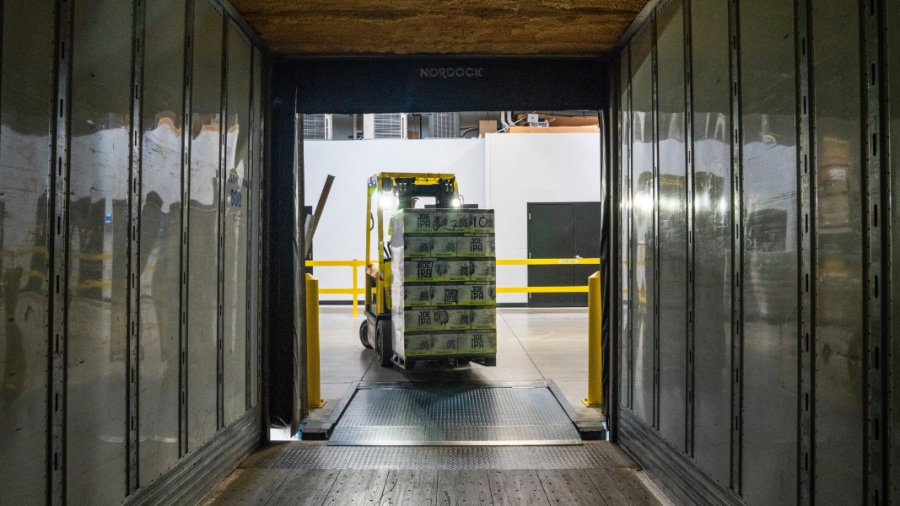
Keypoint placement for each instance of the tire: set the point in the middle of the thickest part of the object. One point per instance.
(385, 346)
(364, 334)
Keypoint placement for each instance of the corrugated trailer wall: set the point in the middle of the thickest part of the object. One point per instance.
(755, 181)
(130, 162)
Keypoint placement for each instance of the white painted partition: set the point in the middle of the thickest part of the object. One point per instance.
(341, 233)
(523, 168)
(502, 171)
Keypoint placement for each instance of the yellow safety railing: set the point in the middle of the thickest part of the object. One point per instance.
(355, 291)
(595, 315)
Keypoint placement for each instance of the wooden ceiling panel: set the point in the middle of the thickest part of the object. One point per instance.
(490, 27)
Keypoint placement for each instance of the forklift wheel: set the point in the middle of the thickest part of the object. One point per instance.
(364, 333)
(383, 338)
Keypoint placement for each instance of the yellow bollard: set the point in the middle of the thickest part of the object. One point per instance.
(595, 343)
(313, 384)
(355, 288)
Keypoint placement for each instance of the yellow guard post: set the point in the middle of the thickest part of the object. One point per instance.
(313, 383)
(595, 343)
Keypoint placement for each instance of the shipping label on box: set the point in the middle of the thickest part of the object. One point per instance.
(475, 343)
(434, 245)
(437, 270)
(455, 294)
(425, 221)
(449, 318)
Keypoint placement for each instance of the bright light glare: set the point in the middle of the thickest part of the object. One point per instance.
(387, 201)
(455, 202)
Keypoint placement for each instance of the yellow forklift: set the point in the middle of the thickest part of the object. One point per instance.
(389, 192)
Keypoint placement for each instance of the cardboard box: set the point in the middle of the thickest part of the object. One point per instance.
(487, 126)
(450, 294)
(432, 245)
(441, 270)
(438, 344)
(561, 121)
(441, 221)
(476, 343)
(434, 319)
(553, 130)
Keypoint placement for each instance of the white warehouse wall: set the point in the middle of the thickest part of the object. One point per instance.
(523, 168)
(340, 234)
(502, 171)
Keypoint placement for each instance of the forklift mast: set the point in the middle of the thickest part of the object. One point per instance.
(389, 192)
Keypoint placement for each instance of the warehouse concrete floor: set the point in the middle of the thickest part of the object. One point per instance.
(532, 344)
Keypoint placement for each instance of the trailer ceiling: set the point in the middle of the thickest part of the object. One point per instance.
(487, 27)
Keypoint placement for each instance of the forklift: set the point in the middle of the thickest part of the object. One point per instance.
(389, 192)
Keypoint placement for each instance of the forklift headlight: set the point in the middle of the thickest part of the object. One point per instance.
(456, 201)
(387, 201)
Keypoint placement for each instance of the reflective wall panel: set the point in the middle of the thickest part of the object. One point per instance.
(792, 366)
(163, 116)
(770, 266)
(627, 306)
(25, 112)
(672, 205)
(237, 200)
(839, 254)
(98, 252)
(203, 235)
(68, 104)
(643, 230)
(712, 232)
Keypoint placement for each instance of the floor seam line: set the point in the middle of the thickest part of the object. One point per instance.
(508, 326)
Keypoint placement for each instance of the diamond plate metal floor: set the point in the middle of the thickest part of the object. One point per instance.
(317, 455)
(454, 415)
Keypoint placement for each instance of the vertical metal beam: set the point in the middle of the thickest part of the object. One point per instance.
(132, 441)
(806, 233)
(632, 292)
(689, 268)
(262, 283)
(1, 98)
(654, 84)
(186, 138)
(737, 247)
(891, 352)
(876, 214)
(220, 207)
(58, 249)
(251, 203)
(613, 265)
(301, 374)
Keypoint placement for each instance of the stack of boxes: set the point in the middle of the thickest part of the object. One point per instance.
(444, 288)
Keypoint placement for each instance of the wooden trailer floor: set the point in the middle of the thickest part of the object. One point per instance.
(312, 473)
